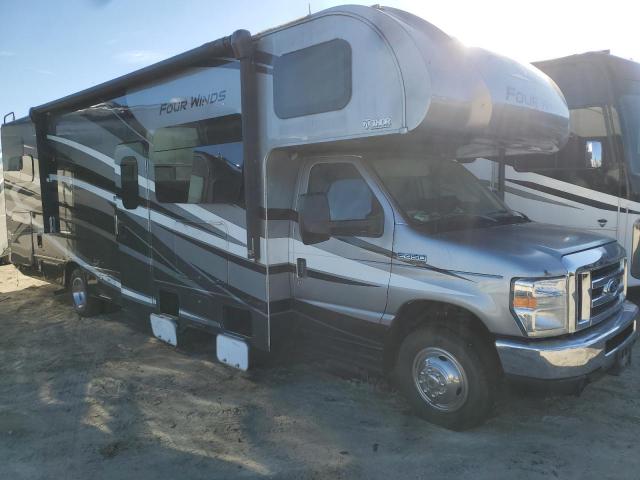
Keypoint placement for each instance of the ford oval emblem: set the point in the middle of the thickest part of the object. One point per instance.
(611, 287)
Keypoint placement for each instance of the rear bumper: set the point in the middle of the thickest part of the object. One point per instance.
(579, 355)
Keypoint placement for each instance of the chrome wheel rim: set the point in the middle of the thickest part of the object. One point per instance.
(440, 379)
(78, 293)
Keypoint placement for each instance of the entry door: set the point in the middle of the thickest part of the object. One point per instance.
(342, 282)
(132, 228)
(21, 205)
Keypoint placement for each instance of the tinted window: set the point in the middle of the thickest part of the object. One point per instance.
(573, 163)
(199, 162)
(17, 166)
(353, 207)
(312, 80)
(21, 168)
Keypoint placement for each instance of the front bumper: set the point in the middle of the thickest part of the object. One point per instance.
(578, 355)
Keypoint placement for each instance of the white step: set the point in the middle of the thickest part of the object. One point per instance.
(232, 351)
(164, 328)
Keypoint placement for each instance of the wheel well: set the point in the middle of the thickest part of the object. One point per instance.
(415, 314)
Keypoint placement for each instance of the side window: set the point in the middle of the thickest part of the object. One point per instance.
(23, 166)
(585, 160)
(199, 162)
(19, 168)
(353, 207)
(324, 69)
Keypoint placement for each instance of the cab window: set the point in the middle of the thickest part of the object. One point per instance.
(353, 207)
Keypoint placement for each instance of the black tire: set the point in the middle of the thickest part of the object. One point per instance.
(83, 303)
(432, 351)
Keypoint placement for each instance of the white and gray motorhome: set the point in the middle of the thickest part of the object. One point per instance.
(306, 178)
(593, 182)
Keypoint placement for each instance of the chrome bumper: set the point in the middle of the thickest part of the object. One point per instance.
(573, 356)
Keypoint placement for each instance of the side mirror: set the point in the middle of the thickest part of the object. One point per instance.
(129, 183)
(593, 152)
(314, 218)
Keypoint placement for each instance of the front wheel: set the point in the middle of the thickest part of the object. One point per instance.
(448, 376)
(83, 303)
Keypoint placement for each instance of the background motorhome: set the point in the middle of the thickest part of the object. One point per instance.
(594, 181)
(212, 191)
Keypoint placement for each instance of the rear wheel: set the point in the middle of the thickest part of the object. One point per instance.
(83, 303)
(449, 377)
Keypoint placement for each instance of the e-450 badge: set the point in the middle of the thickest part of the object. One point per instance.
(412, 257)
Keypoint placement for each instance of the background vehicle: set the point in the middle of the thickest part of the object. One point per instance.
(213, 191)
(594, 181)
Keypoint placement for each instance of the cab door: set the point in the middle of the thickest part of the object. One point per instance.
(342, 283)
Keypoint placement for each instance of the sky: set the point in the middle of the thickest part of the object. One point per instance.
(49, 49)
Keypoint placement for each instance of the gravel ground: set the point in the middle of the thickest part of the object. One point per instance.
(100, 398)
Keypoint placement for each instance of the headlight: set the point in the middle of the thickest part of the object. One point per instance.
(540, 305)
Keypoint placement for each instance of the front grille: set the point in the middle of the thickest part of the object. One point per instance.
(600, 293)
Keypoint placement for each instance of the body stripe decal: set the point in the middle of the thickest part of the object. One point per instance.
(238, 234)
(538, 198)
(83, 148)
(16, 187)
(568, 196)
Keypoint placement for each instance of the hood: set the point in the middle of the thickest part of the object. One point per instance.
(506, 251)
(525, 239)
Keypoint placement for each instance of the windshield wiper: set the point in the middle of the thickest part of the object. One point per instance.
(466, 217)
(503, 216)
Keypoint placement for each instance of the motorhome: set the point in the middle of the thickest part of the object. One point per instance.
(593, 182)
(309, 178)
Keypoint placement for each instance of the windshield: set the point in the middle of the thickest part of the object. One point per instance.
(441, 195)
(630, 107)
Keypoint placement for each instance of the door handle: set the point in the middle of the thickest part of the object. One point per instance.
(602, 222)
(301, 267)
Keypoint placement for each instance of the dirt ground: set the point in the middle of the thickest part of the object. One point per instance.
(100, 398)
